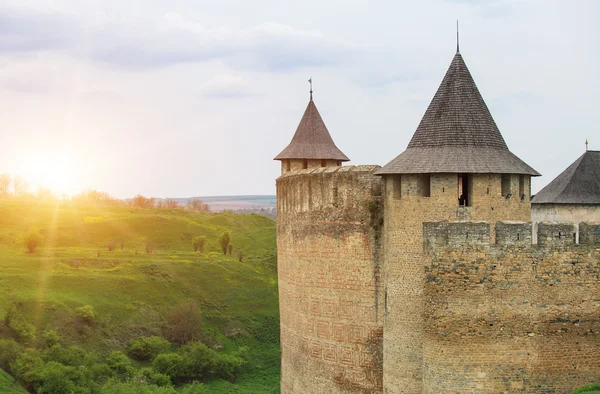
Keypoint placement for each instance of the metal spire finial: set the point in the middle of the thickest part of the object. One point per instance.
(310, 81)
(586, 145)
(457, 41)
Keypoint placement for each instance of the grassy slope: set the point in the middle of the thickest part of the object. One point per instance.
(131, 290)
(8, 384)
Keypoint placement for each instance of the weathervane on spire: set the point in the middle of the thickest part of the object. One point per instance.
(310, 81)
(457, 42)
(586, 145)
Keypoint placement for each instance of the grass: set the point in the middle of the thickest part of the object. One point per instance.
(8, 384)
(131, 291)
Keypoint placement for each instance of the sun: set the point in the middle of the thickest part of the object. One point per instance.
(52, 171)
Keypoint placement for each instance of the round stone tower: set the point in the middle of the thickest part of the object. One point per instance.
(328, 253)
(457, 166)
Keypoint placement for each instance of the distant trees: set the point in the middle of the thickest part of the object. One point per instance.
(171, 204)
(97, 198)
(20, 186)
(195, 204)
(143, 202)
(4, 185)
(198, 243)
(183, 322)
(32, 239)
(224, 242)
(230, 249)
(111, 245)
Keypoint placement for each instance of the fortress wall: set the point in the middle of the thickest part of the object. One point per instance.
(509, 316)
(406, 209)
(329, 280)
(565, 213)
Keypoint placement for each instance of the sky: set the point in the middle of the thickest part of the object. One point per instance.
(179, 98)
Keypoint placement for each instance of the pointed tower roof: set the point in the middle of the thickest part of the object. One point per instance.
(457, 133)
(312, 139)
(578, 184)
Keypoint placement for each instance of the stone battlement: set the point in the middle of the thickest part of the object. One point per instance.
(343, 189)
(508, 233)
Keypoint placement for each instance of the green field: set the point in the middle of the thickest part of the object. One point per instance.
(131, 291)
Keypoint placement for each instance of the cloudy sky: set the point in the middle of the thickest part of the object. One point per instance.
(188, 97)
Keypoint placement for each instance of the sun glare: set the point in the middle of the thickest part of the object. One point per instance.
(54, 172)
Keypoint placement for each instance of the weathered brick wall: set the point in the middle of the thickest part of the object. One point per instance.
(506, 316)
(405, 211)
(328, 235)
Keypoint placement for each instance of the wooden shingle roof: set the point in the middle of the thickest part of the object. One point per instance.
(457, 134)
(578, 184)
(312, 139)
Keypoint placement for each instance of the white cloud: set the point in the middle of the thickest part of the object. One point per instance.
(227, 86)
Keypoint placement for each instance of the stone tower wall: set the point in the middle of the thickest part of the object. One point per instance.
(509, 316)
(406, 208)
(328, 236)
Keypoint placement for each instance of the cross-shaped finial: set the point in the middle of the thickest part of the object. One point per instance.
(586, 145)
(310, 81)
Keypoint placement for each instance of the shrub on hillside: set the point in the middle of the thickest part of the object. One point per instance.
(71, 355)
(115, 386)
(147, 348)
(51, 338)
(85, 313)
(171, 364)
(26, 367)
(183, 322)
(588, 389)
(111, 245)
(153, 377)
(32, 239)
(240, 256)
(24, 330)
(149, 247)
(198, 243)
(58, 378)
(230, 249)
(224, 241)
(9, 350)
(195, 388)
(119, 362)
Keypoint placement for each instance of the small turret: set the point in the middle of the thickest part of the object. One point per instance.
(312, 145)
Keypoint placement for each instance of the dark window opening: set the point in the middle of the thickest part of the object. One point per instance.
(287, 165)
(505, 185)
(426, 185)
(323, 163)
(397, 187)
(464, 190)
(305, 164)
(522, 187)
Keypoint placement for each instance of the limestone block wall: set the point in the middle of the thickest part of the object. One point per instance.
(504, 315)
(565, 213)
(330, 297)
(406, 208)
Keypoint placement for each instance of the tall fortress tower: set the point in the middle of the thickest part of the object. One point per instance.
(420, 276)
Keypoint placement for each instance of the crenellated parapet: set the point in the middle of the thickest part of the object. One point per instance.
(508, 315)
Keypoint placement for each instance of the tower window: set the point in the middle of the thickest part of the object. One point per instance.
(425, 185)
(323, 163)
(522, 187)
(397, 186)
(464, 190)
(305, 164)
(505, 185)
(287, 165)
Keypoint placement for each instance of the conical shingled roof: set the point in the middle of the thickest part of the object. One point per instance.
(578, 184)
(312, 139)
(457, 134)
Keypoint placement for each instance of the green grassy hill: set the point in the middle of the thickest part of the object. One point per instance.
(131, 291)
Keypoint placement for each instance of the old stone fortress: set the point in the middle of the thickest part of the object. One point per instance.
(430, 274)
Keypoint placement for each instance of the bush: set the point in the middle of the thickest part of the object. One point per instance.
(148, 348)
(56, 378)
(85, 313)
(198, 243)
(240, 256)
(135, 387)
(183, 322)
(25, 331)
(72, 355)
(51, 338)
(27, 367)
(111, 245)
(170, 364)
(33, 239)
(119, 362)
(224, 242)
(588, 389)
(201, 360)
(154, 377)
(9, 351)
(230, 249)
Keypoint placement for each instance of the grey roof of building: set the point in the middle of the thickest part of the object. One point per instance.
(457, 134)
(578, 184)
(312, 139)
